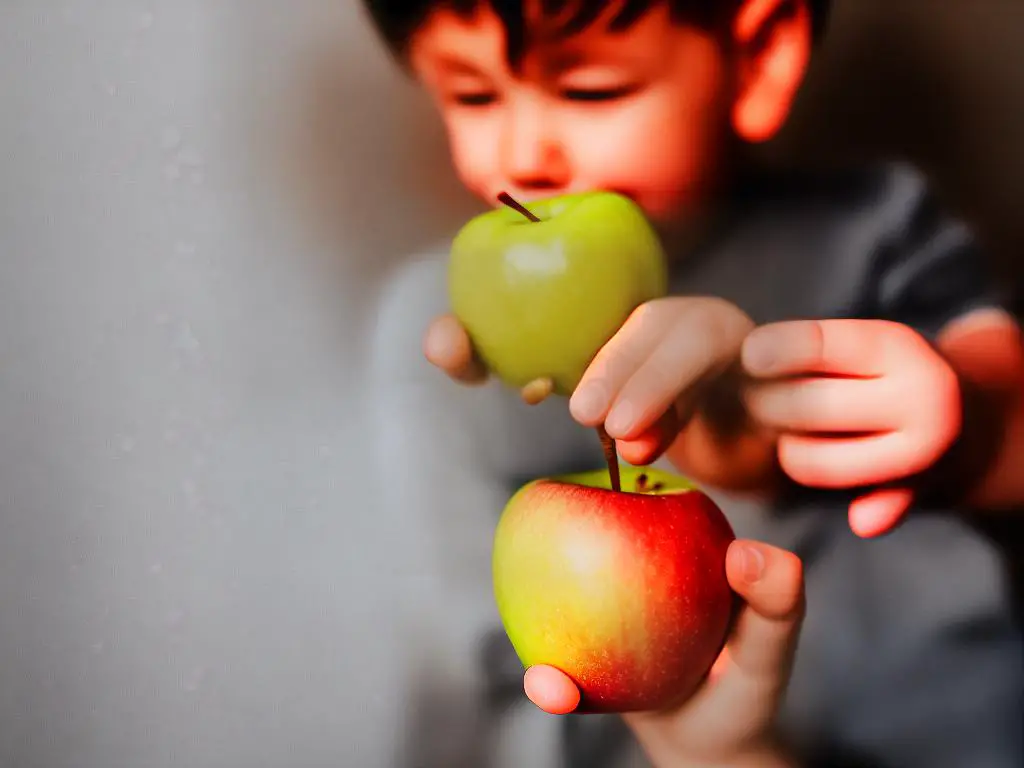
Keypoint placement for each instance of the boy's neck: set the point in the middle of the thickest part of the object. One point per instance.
(690, 233)
(741, 185)
(702, 222)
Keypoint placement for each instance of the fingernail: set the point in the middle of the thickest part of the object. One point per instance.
(751, 564)
(587, 402)
(758, 353)
(620, 419)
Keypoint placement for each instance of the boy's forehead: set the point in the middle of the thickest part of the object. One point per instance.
(480, 35)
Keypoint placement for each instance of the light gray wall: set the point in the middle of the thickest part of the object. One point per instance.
(198, 203)
(188, 539)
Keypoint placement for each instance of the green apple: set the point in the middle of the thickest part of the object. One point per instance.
(624, 592)
(541, 287)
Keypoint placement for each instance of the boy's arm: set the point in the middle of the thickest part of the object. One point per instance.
(926, 273)
(932, 276)
(986, 349)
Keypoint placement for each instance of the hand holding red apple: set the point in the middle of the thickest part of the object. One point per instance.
(625, 591)
(729, 719)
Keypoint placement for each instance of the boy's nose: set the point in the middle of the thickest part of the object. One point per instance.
(533, 155)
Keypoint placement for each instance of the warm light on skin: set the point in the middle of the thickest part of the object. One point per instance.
(647, 111)
(866, 402)
(641, 112)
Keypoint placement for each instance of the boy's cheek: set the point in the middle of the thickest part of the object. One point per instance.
(475, 161)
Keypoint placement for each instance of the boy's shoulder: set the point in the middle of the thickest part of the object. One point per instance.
(413, 291)
(872, 242)
(859, 211)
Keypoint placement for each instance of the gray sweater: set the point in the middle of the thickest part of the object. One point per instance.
(909, 654)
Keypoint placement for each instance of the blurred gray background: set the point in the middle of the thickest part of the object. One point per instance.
(199, 203)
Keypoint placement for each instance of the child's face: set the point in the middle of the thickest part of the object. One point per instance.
(642, 112)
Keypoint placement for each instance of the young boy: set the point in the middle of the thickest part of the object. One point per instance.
(863, 407)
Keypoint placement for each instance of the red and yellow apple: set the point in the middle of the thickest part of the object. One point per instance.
(624, 592)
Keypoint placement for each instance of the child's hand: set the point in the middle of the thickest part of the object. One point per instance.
(856, 403)
(729, 719)
(643, 385)
(447, 346)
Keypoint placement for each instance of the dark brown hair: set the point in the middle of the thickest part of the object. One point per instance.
(398, 20)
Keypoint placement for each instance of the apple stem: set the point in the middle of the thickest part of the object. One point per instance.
(515, 205)
(611, 456)
(531, 391)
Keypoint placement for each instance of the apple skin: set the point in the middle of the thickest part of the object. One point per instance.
(624, 592)
(539, 299)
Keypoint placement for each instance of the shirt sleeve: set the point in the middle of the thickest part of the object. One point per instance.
(928, 268)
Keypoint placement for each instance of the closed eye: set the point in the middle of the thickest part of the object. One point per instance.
(598, 94)
(478, 99)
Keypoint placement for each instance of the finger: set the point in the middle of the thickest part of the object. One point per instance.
(824, 405)
(684, 360)
(847, 462)
(749, 677)
(615, 362)
(649, 445)
(838, 347)
(447, 346)
(551, 690)
(770, 581)
(719, 667)
(880, 511)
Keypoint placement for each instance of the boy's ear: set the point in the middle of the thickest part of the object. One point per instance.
(772, 46)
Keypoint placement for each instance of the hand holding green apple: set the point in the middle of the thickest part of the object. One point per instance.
(540, 288)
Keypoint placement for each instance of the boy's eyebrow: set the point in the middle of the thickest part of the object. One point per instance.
(567, 58)
(456, 65)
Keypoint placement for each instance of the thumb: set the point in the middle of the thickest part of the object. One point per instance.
(447, 346)
(740, 700)
(770, 581)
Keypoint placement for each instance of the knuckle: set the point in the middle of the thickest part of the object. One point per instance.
(719, 313)
(795, 468)
(617, 365)
(653, 311)
(817, 340)
(824, 400)
(905, 334)
(803, 464)
(662, 372)
(904, 340)
(945, 413)
(764, 403)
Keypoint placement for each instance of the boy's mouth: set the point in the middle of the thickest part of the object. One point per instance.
(627, 194)
(527, 198)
